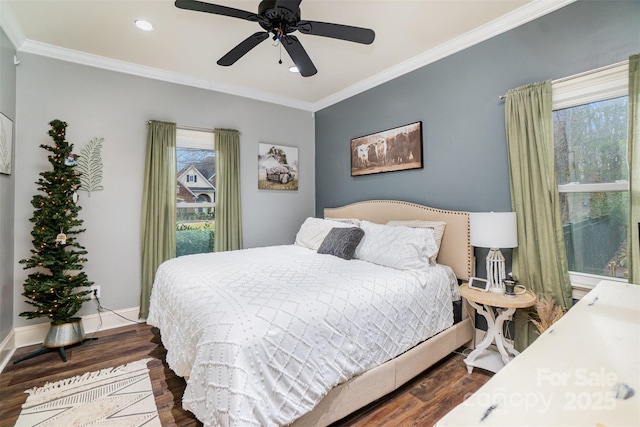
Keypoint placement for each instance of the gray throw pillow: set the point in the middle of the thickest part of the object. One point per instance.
(341, 242)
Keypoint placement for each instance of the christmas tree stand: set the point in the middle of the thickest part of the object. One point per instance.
(60, 336)
(65, 334)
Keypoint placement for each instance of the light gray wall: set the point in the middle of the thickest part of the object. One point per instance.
(456, 98)
(7, 186)
(115, 106)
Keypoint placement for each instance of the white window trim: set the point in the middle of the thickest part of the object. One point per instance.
(200, 139)
(582, 283)
(195, 204)
(576, 187)
(596, 85)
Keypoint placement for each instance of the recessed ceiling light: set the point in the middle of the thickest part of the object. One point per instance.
(293, 69)
(144, 25)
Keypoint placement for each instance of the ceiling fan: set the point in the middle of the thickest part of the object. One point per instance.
(280, 17)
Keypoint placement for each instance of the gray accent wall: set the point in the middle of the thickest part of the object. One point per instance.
(456, 98)
(7, 190)
(115, 106)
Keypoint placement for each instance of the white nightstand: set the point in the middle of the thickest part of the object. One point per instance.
(485, 303)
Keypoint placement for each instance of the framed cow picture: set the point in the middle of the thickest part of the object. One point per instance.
(387, 151)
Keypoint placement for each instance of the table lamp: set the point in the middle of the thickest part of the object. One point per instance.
(494, 230)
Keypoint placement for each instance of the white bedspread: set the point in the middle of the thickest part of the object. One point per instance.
(263, 334)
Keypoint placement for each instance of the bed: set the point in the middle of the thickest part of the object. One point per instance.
(287, 336)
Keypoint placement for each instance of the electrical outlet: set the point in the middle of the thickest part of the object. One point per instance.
(95, 288)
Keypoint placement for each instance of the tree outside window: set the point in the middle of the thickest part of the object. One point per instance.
(591, 171)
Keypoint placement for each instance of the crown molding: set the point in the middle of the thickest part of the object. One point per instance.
(526, 13)
(520, 16)
(10, 25)
(69, 55)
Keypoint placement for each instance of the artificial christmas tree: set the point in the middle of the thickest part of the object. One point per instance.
(55, 288)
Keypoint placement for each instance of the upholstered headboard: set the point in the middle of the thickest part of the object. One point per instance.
(455, 250)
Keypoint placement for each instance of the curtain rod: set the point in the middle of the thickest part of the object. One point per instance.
(192, 128)
(585, 73)
(148, 122)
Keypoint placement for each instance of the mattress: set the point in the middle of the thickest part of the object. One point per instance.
(263, 334)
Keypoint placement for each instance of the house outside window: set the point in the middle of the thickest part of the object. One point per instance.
(195, 192)
(590, 122)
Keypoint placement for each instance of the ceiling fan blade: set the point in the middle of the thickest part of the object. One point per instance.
(299, 55)
(337, 31)
(240, 50)
(200, 6)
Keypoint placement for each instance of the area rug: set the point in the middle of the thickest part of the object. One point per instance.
(120, 396)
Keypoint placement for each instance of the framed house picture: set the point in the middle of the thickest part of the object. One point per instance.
(6, 144)
(277, 167)
(387, 151)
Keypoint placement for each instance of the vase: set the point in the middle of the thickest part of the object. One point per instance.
(65, 334)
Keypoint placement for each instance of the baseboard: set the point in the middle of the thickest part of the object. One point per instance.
(7, 348)
(34, 334)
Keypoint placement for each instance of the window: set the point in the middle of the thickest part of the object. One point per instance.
(590, 148)
(195, 192)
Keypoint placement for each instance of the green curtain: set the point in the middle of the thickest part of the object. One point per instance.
(633, 155)
(539, 261)
(228, 209)
(158, 205)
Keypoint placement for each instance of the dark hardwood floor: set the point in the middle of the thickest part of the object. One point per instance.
(421, 402)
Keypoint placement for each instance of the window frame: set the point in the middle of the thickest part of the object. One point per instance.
(596, 85)
(199, 139)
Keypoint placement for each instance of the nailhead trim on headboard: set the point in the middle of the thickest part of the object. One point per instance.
(458, 249)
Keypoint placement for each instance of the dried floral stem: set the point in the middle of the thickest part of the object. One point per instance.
(547, 313)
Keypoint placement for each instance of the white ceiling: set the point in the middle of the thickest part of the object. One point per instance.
(185, 45)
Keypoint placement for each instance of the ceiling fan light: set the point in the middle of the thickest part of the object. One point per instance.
(144, 25)
(294, 69)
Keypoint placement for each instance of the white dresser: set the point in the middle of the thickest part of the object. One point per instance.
(584, 370)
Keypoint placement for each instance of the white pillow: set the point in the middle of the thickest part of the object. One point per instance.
(403, 248)
(353, 221)
(437, 226)
(313, 231)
